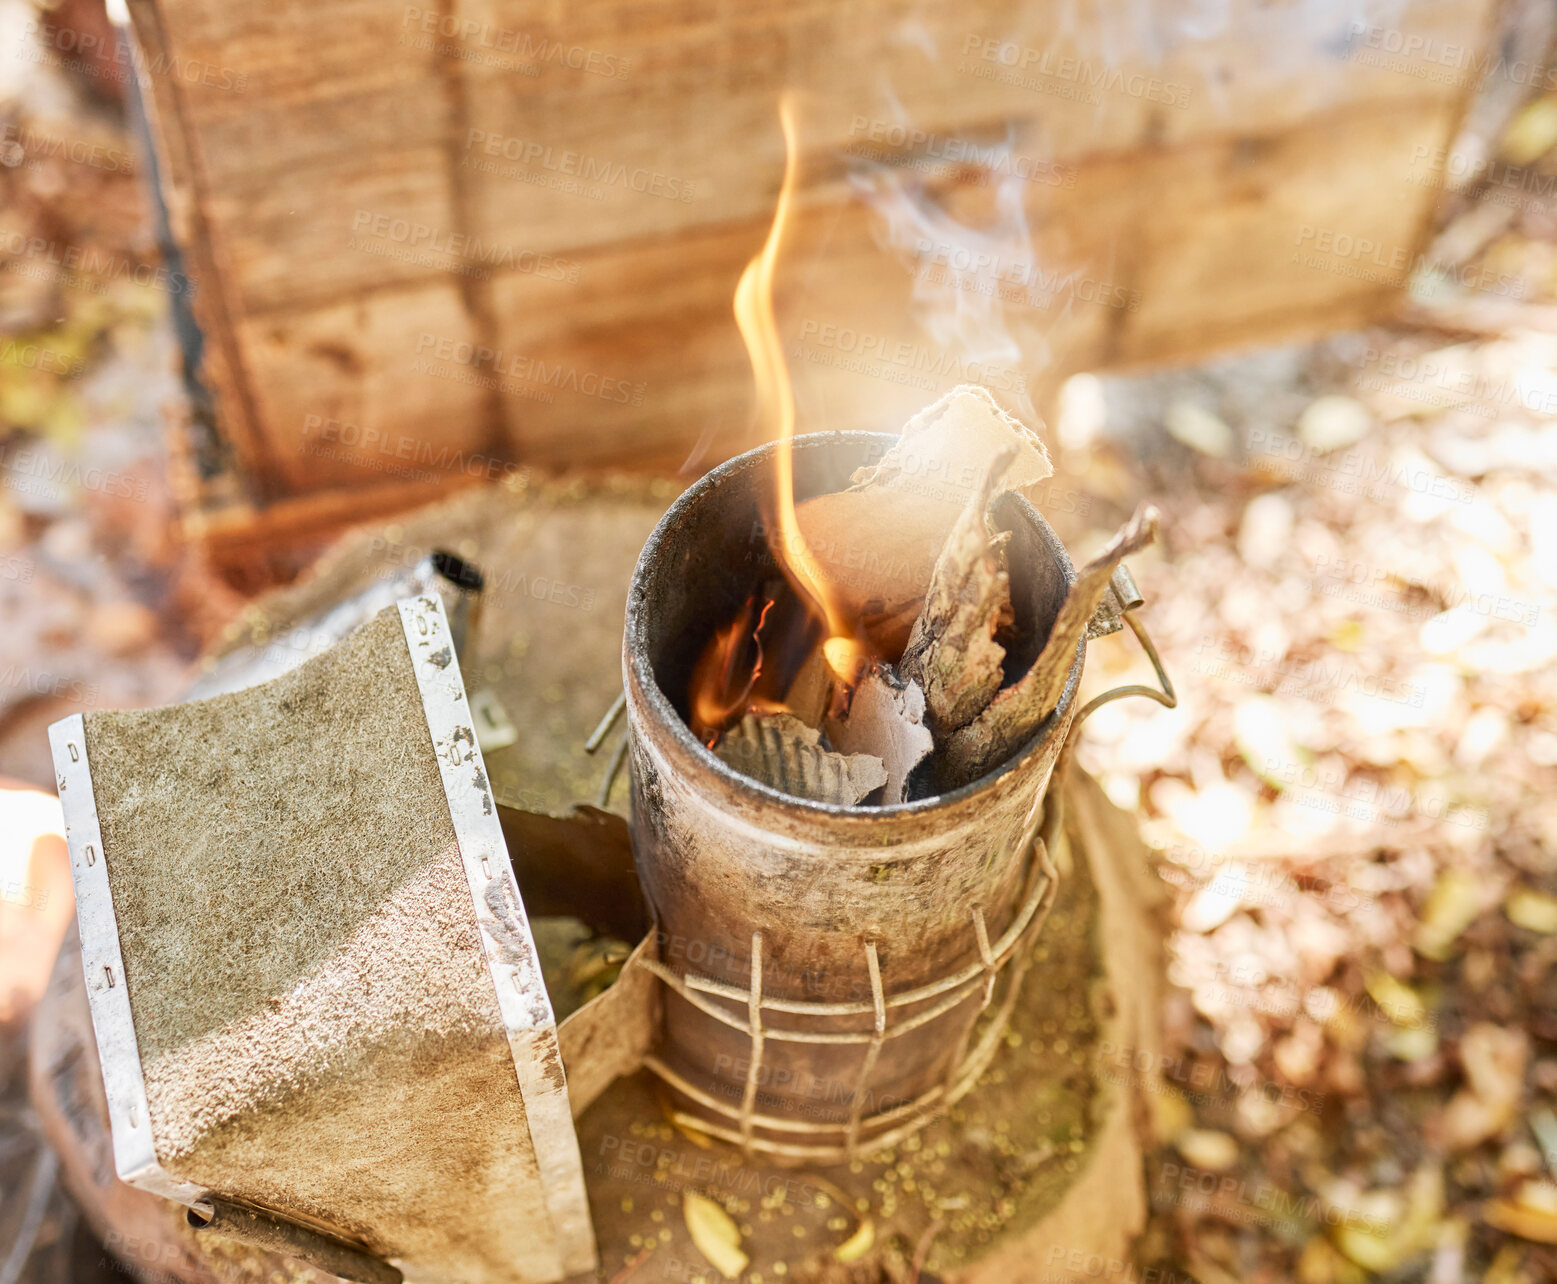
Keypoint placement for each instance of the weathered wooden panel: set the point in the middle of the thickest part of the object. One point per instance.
(332, 386)
(517, 226)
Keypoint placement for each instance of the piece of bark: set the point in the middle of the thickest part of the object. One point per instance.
(885, 719)
(780, 750)
(948, 448)
(1017, 712)
(952, 652)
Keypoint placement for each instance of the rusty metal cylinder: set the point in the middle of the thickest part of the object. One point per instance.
(838, 911)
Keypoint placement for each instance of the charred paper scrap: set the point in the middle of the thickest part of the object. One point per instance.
(885, 718)
(780, 750)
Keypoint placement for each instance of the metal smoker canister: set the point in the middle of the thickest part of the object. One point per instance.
(824, 965)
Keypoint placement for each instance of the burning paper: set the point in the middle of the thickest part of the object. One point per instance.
(780, 750)
(885, 719)
(906, 654)
(896, 592)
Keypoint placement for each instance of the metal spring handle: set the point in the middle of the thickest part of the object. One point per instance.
(1116, 611)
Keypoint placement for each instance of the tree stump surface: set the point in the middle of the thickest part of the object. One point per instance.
(1035, 1175)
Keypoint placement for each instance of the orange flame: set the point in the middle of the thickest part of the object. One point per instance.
(726, 672)
(776, 403)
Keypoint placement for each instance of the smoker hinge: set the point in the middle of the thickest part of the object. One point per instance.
(1120, 596)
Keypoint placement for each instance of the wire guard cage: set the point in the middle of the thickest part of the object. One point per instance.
(863, 1133)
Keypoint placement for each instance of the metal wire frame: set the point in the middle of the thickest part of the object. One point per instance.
(858, 1135)
(908, 1117)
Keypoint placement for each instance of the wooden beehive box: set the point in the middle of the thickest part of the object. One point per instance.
(432, 244)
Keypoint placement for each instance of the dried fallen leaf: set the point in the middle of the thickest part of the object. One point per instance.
(1265, 533)
(1507, 1267)
(858, 1244)
(1260, 730)
(1332, 423)
(1320, 1263)
(952, 652)
(1017, 711)
(1532, 133)
(1380, 1231)
(1170, 1114)
(1216, 902)
(1494, 1059)
(1457, 899)
(1208, 1149)
(1543, 1123)
(1199, 429)
(1367, 1245)
(1412, 1044)
(1534, 911)
(885, 723)
(1400, 1004)
(1531, 1214)
(698, 1139)
(780, 750)
(715, 1234)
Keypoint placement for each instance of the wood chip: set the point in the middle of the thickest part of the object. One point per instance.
(780, 750)
(885, 721)
(952, 652)
(1017, 712)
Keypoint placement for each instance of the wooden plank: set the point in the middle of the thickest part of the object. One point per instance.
(333, 387)
(184, 191)
(515, 227)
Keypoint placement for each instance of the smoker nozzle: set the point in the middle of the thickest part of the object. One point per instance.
(260, 1229)
(265, 656)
